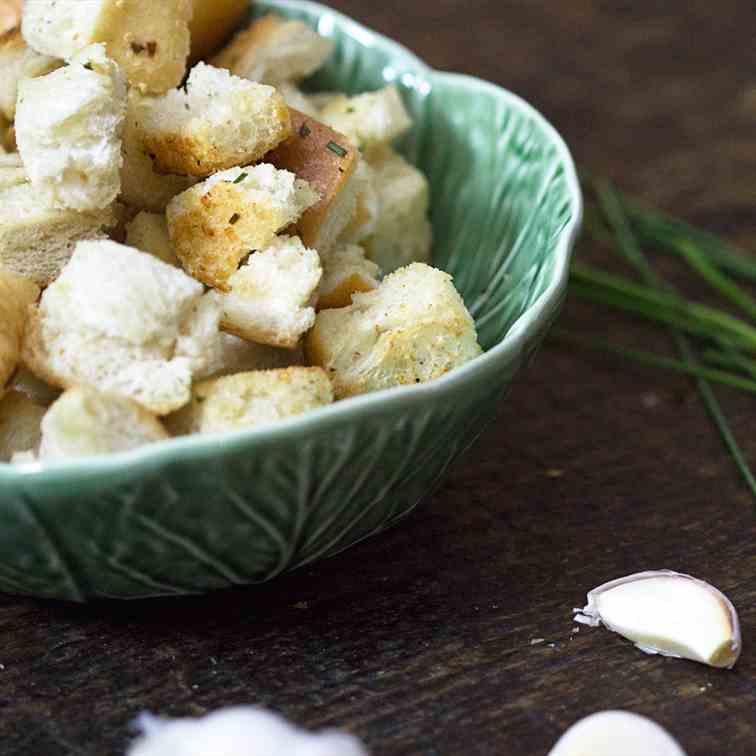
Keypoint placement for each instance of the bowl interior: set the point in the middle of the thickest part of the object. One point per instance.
(501, 195)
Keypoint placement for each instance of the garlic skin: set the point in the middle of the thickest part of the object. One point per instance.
(238, 731)
(668, 613)
(616, 733)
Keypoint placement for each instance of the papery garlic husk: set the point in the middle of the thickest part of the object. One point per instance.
(668, 613)
(616, 733)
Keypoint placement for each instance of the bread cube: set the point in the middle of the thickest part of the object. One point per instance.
(85, 422)
(247, 400)
(402, 233)
(20, 420)
(149, 40)
(297, 99)
(148, 232)
(68, 129)
(271, 295)
(412, 329)
(212, 23)
(36, 240)
(234, 355)
(273, 49)
(18, 61)
(10, 15)
(142, 187)
(216, 224)
(346, 271)
(125, 323)
(219, 121)
(327, 161)
(16, 294)
(365, 217)
(12, 172)
(33, 388)
(369, 120)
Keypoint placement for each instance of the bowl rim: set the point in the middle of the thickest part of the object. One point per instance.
(188, 448)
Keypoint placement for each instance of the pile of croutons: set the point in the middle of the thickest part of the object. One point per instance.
(200, 247)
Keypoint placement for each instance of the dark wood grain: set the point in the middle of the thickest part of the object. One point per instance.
(420, 641)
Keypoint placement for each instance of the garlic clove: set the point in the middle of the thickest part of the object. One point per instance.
(616, 733)
(668, 613)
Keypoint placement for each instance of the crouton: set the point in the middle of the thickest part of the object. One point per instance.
(16, 294)
(234, 355)
(85, 422)
(297, 99)
(412, 329)
(325, 159)
(369, 120)
(365, 217)
(18, 61)
(148, 232)
(142, 187)
(148, 40)
(272, 50)
(246, 400)
(219, 121)
(20, 420)
(68, 129)
(271, 295)
(402, 233)
(10, 15)
(12, 172)
(212, 23)
(125, 323)
(36, 241)
(346, 271)
(216, 224)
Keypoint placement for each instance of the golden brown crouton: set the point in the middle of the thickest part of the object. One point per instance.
(16, 294)
(212, 23)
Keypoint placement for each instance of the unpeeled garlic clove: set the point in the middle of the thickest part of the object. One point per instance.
(616, 733)
(668, 613)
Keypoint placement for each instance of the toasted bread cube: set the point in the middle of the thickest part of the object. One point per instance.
(85, 422)
(368, 210)
(10, 15)
(402, 233)
(212, 23)
(326, 160)
(16, 294)
(271, 296)
(68, 129)
(12, 172)
(125, 323)
(369, 120)
(18, 61)
(412, 329)
(273, 49)
(219, 121)
(36, 241)
(142, 187)
(234, 355)
(216, 224)
(148, 39)
(149, 233)
(296, 99)
(346, 271)
(20, 420)
(246, 400)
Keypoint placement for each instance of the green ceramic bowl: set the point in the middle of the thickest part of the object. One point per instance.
(198, 514)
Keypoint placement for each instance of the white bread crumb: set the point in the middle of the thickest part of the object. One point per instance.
(414, 328)
(246, 400)
(272, 50)
(148, 232)
(369, 120)
(270, 296)
(68, 129)
(220, 121)
(125, 323)
(232, 354)
(346, 271)
(85, 422)
(216, 224)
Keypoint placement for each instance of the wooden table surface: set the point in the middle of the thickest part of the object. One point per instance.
(420, 641)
